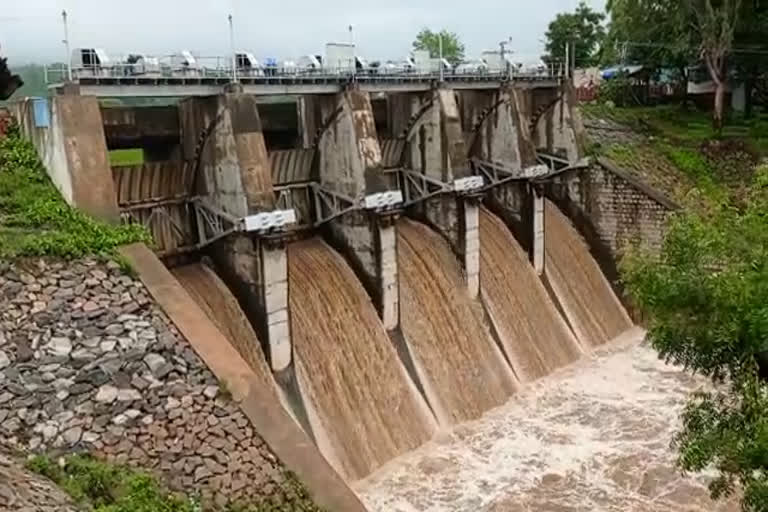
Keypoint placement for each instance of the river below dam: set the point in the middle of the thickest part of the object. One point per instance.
(592, 437)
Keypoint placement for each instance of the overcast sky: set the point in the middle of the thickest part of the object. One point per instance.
(32, 29)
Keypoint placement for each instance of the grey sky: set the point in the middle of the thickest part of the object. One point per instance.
(32, 31)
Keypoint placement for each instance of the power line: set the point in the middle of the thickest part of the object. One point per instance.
(690, 47)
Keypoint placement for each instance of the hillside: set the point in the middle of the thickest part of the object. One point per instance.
(677, 152)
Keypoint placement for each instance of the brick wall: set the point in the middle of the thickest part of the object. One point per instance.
(619, 209)
(612, 210)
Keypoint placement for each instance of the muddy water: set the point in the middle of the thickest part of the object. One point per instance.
(591, 307)
(215, 299)
(462, 368)
(535, 337)
(349, 372)
(593, 437)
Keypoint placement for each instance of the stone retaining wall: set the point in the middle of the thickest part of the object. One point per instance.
(89, 363)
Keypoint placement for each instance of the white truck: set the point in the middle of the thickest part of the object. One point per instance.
(339, 58)
(424, 63)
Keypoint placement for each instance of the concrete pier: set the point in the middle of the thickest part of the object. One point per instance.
(495, 127)
(222, 138)
(350, 165)
(436, 149)
(68, 134)
(556, 124)
(274, 270)
(538, 226)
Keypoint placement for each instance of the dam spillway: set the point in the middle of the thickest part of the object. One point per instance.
(588, 301)
(215, 299)
(389, 303)
(349, 370)
(464, 370)
(532, 332)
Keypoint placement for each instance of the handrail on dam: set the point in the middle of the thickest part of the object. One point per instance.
(329, 204)
(417, 186)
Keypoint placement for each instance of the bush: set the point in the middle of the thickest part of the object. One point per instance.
(36, 221)
(617, 90)
(101, 487)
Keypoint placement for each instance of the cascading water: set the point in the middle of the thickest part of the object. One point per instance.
(462, 369)
(534, 335)
(588, 301)
(215, 299)
(349, 373)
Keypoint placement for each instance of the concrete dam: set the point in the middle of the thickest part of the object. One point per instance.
(389, 264)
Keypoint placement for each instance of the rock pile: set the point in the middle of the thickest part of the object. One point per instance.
(89, 363)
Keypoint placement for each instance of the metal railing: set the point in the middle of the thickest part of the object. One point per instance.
(220, 68)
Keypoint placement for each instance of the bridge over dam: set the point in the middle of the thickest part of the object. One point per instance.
(380, 261)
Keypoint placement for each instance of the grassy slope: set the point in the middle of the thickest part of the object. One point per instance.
(679, 153)
(36, 221)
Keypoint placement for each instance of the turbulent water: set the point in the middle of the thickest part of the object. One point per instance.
(535, 337)
(591, 307)
(351, 378)
(462, 368)
(592, 437)
(215, 299)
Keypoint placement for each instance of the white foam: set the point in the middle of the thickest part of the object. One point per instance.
(594, 436)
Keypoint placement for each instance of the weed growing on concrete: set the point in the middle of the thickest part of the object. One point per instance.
(36, 221)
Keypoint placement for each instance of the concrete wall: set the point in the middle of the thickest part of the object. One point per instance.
(350, 157)
(350, 163)
(73, 150)
(236, 175)
(496, 128)
(256, 270)
(560, 129)
(611, 209)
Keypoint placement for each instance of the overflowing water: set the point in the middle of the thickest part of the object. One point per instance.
(462, 370)
(215, 299)
(535, 337)
(592, 437)
(592, 309)
(363, 408)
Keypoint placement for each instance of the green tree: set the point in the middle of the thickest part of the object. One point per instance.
(583, 28)
(453, 48)
(715, 23)
(707, 298)
(648, 32)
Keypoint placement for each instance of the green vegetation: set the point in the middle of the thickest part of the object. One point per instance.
(678, 152)
(36, 221)
(583, 29)
(126, 156)
(707, 296)
(101, 487)
(453, 48)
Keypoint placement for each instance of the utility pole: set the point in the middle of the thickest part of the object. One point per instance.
(354, 50)
(567, 59)
(232, 48)
(503, 53)
(66, 45)
(440, 62)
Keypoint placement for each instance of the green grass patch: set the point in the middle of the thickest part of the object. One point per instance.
(102, 487)
(36, 221)
(98, 486)
(120, 157)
